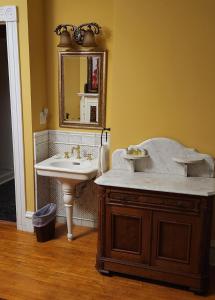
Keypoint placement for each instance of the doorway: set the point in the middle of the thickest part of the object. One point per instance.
(7, 184)
(8, 18)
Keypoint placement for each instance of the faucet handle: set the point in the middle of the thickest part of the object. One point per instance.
(89, 156)
(66, 154)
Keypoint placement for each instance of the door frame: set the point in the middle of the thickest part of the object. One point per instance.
(8, 16)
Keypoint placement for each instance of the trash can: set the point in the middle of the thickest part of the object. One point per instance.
(44, 222)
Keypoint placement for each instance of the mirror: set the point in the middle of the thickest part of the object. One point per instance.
(82, 85)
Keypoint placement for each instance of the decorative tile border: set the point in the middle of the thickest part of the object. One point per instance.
(68, 137)
(50, 142)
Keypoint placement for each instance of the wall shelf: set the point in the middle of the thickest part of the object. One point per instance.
(186, 161)
(135, 157)
(131, 158)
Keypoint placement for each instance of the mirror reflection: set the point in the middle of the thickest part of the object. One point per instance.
(82, 95)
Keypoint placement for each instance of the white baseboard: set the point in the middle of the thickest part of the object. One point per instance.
(79, 221)
(28, 226)
(61, 220)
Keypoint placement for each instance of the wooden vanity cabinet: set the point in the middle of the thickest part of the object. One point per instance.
(155, 235)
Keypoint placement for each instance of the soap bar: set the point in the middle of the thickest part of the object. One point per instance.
(134, 150)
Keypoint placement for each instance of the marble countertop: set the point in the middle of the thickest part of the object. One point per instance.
(158, 182)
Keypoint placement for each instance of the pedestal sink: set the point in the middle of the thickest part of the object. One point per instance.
(69, 172)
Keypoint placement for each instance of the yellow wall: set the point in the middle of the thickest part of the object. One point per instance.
(37, 61)
(164, 72)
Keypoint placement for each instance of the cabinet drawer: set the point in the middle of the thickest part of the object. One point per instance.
(191, 204)
(147, 199)
(138, 199)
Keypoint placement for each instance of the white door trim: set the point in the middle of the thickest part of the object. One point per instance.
(8, 16)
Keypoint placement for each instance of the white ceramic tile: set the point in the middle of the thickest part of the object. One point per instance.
(98, 139)
(88, 139)
(56, 148)
(52, 136)
(58, 136)
(74, 138)
(41, 137)
(41, 152)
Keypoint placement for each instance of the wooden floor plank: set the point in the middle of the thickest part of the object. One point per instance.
(59, 269)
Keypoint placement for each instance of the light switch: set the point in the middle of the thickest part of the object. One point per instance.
(43, 116)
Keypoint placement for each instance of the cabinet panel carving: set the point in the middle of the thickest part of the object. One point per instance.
(181, 235)
(127, 234)
(176, 244)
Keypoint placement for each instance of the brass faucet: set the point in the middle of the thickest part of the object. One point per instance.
(78, 151)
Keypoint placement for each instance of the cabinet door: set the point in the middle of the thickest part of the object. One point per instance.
(128, 234)
(176, 242)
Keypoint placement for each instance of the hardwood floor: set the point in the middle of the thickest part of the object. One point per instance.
(59, 269)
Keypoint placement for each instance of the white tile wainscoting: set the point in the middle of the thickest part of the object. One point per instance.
(50, 142)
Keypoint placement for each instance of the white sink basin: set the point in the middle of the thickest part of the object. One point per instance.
(69, 172)
(75, 169)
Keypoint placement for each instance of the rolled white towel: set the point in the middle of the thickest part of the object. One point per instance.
(103, 159)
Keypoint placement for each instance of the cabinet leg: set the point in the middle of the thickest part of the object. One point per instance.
(105, 272)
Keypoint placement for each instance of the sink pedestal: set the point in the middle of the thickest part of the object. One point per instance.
(68, 197)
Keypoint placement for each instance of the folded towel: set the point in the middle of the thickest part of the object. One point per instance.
(103, 159)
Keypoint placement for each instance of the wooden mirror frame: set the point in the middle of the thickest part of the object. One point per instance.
(102, 90)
